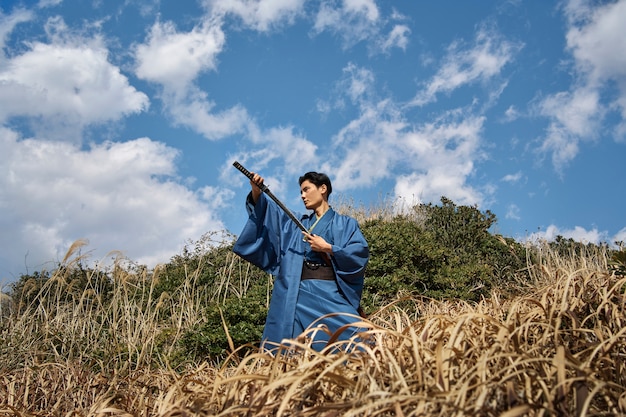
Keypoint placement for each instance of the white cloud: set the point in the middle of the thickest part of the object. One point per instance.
(397, 38)
(364, 152)
(64, 86)
(48, 3)
(175, 59)
(576, 112)
(563, 146)
(196, 111)
(215, 197)
(281, 143)
(511, 114)
(119, 196)
(483, 61)
(574, 117)
(433, 184)
(358, 83)
(513, 178)
(260, 15)
(76, 83)
(594, 38)
(380, 144)
(367, 8)
(578, 234)
(367, 141)
(356, 21)
(620, 236)
(295, 149)
(442, 155)
(513, 212)
(8, 23)
(594, 35)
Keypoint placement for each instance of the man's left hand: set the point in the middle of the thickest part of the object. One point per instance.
(318, 244)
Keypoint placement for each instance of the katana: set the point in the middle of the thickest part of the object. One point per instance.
(298, 223)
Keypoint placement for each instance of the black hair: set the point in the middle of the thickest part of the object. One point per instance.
(318, 179)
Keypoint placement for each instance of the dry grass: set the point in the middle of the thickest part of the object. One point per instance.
(557, 350)
(386, 209)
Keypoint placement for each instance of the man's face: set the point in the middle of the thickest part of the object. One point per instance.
(312, 195)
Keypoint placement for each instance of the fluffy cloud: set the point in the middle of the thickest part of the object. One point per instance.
(439, 155)
(196, 111)
(54, 189)
(620, 236)
(513, 178)
(64, 86)
(74, 82)
(442, 155)
(578, 234)
(397, 38)
(8, 23)
(261, 15)
(174, 59)
(483, 61)
(367, 140)
(356, 21)
(594, 35)
(118, 196)
(513, 212)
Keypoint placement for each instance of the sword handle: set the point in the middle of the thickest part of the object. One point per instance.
(248, 174)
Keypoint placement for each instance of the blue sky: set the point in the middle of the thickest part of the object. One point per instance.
(119, 120)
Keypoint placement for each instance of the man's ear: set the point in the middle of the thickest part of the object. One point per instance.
(324, 190)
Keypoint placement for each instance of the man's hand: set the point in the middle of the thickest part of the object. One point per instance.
(255, 183)
(318, 244)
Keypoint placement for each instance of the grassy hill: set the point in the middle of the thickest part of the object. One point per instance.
(462, 322)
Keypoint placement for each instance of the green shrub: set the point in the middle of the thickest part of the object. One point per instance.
(243, 317)
(439, 252)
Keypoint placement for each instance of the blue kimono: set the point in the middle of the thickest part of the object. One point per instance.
(272, 241)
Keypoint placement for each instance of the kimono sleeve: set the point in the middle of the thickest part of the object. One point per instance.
(260, 240)
(350, 252)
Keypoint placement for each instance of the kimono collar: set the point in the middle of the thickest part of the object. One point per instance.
(328, 214)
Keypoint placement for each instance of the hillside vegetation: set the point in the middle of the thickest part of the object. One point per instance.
(461, 322)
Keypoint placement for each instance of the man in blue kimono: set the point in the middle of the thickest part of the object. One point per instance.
(315, 273)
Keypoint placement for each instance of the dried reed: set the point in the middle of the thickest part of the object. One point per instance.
(558, 349)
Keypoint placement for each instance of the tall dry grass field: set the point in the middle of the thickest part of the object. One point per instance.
(557, 349)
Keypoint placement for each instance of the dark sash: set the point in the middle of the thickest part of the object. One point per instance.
(312, 270)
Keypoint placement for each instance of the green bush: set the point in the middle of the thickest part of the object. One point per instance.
(66, 284)
(203, 261)
(447, 253)
(403, 257)
(243, 317)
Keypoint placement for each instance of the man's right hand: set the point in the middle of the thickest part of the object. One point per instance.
(255, 183)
